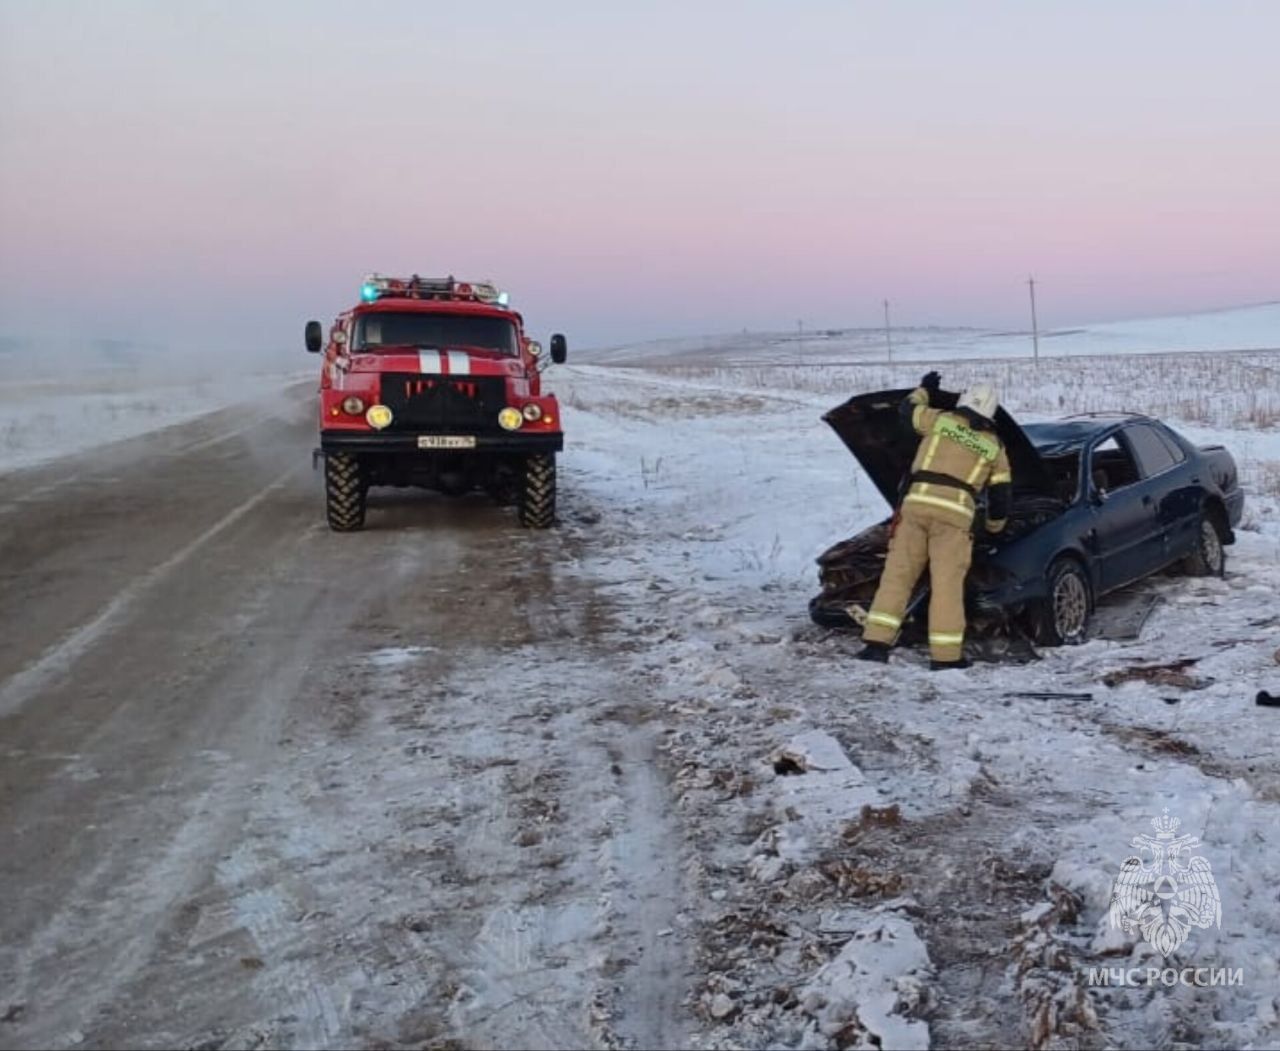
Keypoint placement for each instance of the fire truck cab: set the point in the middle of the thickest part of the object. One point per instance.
(432, 382)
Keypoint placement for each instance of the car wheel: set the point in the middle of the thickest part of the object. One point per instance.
(1209, 559)
(1062, 618)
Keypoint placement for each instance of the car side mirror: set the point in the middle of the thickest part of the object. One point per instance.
(314, 337)
(1097, 496)
(559, 348)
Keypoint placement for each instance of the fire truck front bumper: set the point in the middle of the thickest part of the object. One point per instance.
(382, 443)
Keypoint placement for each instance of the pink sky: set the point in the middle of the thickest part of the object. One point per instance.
(211, 172)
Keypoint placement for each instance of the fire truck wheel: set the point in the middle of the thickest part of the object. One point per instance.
(344, 492)
(538, 492)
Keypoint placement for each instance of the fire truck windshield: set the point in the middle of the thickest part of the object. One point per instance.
(389, 329)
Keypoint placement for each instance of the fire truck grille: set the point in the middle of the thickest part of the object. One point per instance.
(443, 404)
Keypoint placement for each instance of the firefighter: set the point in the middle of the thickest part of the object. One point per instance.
(959, 455)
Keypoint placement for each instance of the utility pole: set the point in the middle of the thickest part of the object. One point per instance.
(888, 332)
(1035, 328)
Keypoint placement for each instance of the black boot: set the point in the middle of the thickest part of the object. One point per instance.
(948, 665)
(873, 651)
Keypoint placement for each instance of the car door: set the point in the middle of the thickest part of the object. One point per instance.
(1159, 462)
(1182, 504)
(1125, 534)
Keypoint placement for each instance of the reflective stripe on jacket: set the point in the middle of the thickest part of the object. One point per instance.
(951, 447)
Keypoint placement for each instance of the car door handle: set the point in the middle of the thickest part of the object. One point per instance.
(1146, 500)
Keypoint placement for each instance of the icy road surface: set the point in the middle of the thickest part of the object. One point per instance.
(450, 783)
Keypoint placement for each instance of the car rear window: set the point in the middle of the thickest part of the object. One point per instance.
(1175, 450)
(1150, 450)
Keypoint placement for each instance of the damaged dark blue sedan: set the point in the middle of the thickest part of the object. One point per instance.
(1100, 501)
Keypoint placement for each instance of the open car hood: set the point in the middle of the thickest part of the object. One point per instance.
(869, 425)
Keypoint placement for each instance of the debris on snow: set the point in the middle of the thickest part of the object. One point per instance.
(871, 994)
(858, 881)
(875, 817)
(815, 750)
(1173, 674)
(817, 789)
(1056, 1005)
(1091, 886)
(396, 656)
(832, 788)
(721, 1007)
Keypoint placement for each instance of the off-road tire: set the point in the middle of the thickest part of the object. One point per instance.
(344, 492)
(1062, 618)
(1209, 559)
(537, 504)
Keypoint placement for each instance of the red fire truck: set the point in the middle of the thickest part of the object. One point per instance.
(432, 382)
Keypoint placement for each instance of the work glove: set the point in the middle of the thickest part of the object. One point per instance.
(931, 381)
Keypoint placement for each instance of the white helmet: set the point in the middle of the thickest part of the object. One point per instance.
(982, 398)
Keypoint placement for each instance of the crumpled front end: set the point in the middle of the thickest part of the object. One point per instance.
(995, 595)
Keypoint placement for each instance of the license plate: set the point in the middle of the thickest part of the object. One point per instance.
(446, 441)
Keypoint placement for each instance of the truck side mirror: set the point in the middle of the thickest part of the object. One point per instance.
(314, 337)
(559, 348)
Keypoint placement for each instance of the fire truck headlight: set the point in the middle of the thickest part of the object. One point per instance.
(510, 419)
(353, 406)
(533, 413)
(378, 416)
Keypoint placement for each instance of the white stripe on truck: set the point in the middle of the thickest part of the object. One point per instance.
(459, 363)
(429, 362)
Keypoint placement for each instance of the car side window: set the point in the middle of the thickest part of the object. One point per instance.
(1151, 452)
(1111, 466)
(1170, 443)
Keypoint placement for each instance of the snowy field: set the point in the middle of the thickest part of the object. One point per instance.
(60, 400)
(1238, 328)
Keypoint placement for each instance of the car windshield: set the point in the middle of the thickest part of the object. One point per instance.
(374, 331)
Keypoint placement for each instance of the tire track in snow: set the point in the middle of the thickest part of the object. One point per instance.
(651, 1010)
